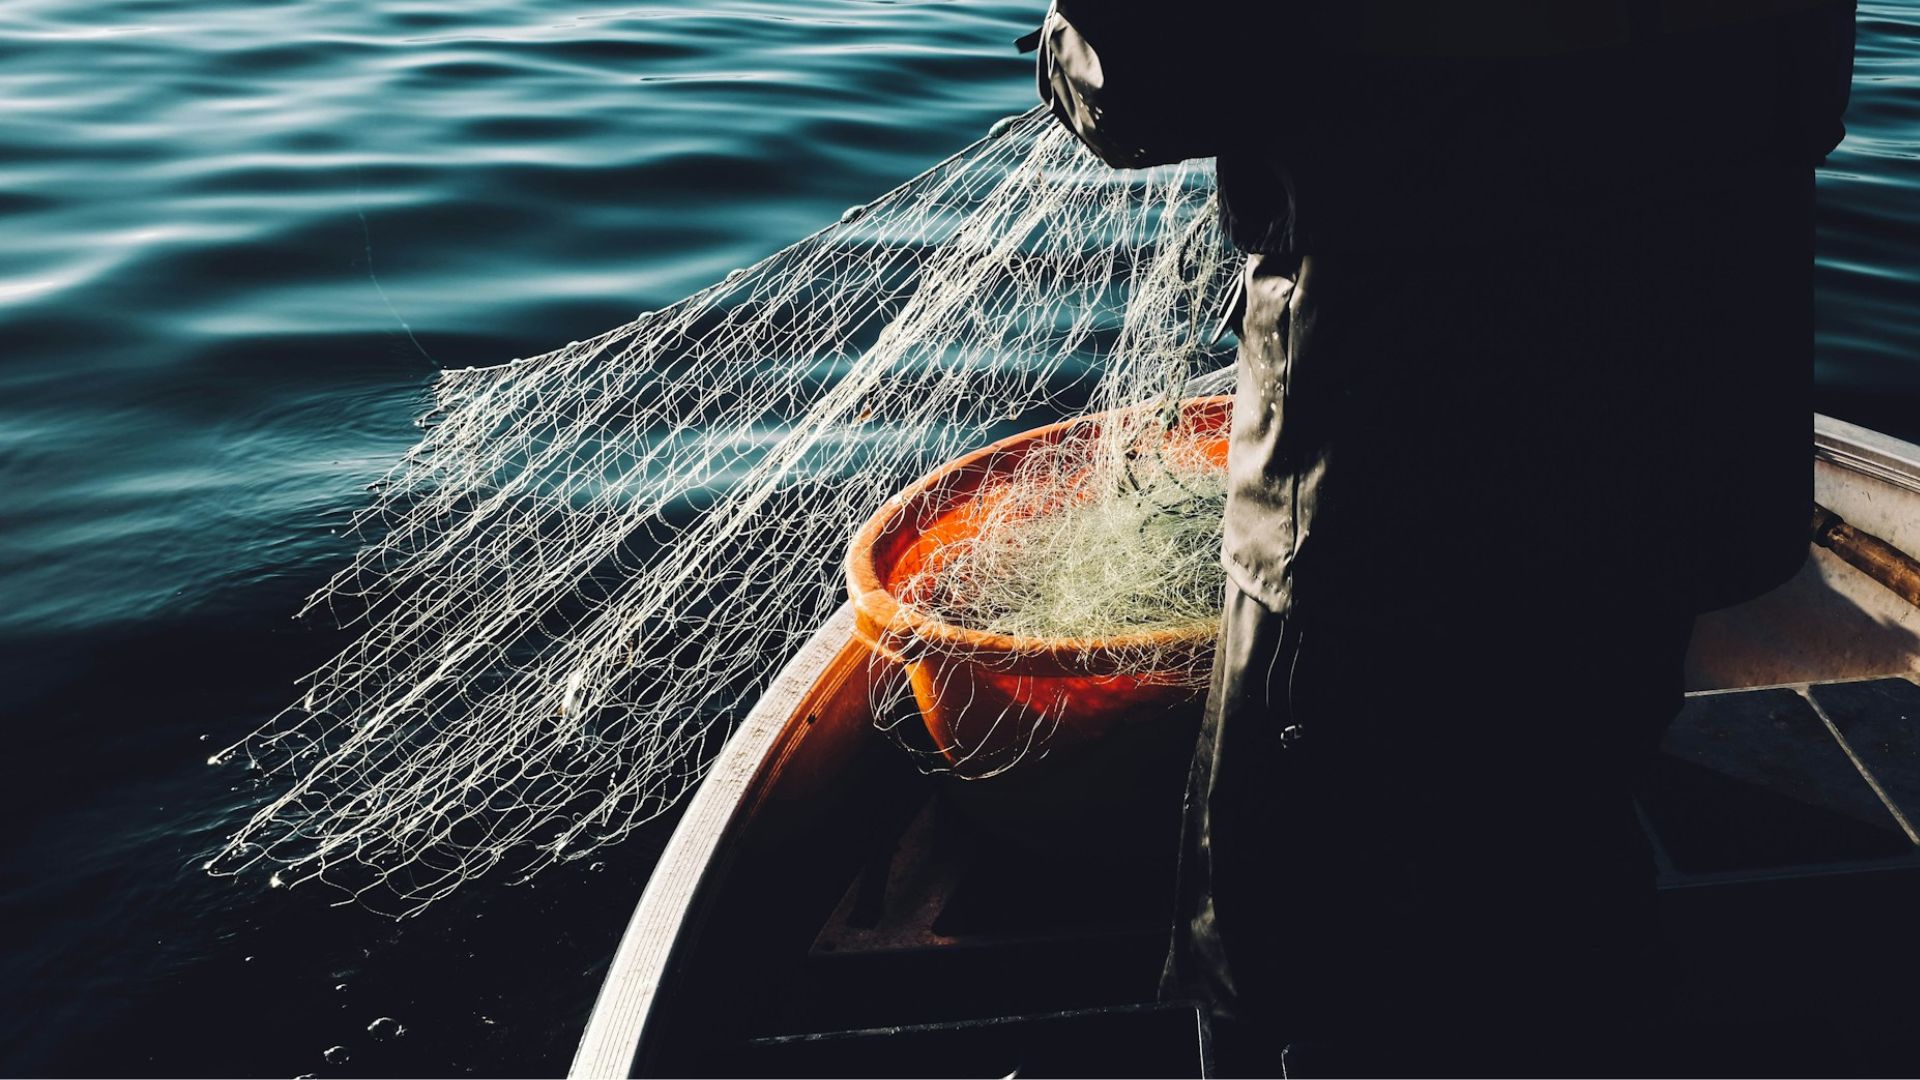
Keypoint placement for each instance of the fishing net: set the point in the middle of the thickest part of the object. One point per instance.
(1050, 589)
(595, 559)
(1103, 534)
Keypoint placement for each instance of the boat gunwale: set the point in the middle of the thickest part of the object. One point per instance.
(656, 933)
(1870, 453)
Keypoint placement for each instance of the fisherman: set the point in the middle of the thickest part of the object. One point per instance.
(1523, 385)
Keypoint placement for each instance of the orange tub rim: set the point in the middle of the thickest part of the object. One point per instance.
(881, 614)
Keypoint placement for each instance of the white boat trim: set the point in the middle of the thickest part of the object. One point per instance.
(1866, 451)
(627, 997)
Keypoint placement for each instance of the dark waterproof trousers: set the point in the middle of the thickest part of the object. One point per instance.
(1378, 880)
(1474, 508)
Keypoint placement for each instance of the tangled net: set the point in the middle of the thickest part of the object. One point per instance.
(1050, 589)
(1103, 533)
(595, 559)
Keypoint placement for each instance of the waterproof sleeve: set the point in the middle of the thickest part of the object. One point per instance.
(1140, 82)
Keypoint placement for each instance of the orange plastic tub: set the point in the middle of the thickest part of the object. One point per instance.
(989, 699)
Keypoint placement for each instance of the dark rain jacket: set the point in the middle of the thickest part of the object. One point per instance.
(1529, 312)
(1524, 382)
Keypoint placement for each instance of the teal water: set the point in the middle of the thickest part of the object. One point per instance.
(1867, 363)
(239, 239)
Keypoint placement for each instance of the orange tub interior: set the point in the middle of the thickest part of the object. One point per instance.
(987, 698)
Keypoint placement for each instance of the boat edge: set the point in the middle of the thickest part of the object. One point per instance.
(611, 1042)
(1863, 450)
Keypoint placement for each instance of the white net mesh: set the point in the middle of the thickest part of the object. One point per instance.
(1104, 534)
(595, 559)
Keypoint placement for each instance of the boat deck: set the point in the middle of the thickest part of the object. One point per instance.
(1781, 819)
(1770, 780)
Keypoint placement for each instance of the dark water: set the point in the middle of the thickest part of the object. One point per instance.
(237, 239)
(1867, 367)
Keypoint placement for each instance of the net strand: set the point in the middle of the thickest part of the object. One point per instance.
(593, 560)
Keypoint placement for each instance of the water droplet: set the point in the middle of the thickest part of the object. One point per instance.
(274, 882)
(339, 987)
(386, 1027)
(204, 738)
(1002, 126)
(596, 867)
(736, 273)
(852, 214)
(337, 1055)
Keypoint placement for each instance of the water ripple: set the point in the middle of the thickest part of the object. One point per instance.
(239, 235)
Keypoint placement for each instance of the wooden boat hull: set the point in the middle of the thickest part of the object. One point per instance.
(819, 891)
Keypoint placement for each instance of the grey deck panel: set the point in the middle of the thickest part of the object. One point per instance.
(1754, 780)
(1880, 720)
